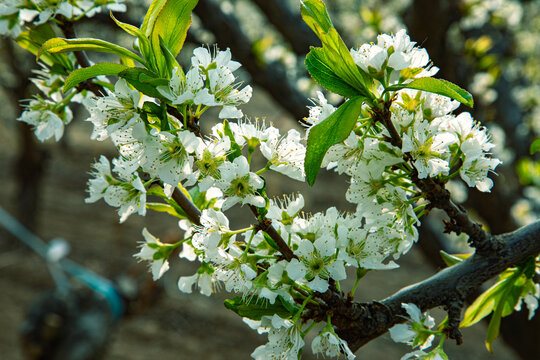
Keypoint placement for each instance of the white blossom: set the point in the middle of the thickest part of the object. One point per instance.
(114, 112)
(286, 155)
(406, 333)
(316, 263)
(48, 120)
(148, 251)
(396, 52)
(284, 340)
(127, 192)
(239, 185)
(204, 281)
(428, 148)
(329, 344)
(170, 156)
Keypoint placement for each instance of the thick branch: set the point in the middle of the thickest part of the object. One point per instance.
(361, 323)
(459, 219)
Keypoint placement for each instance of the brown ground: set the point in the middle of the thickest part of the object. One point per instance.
(177, 326)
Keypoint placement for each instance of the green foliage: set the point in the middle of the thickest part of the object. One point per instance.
(83, 74)
(501, 299)
(144, 44)
(528, 172)
(165, 208)
(236, 150)
(58, 45)
(437, 86)
(158, 191)
(165, 25)
(144, 80)
(453, 259)
(334, 129)
(535, 146)
(325, 75)
(33, 39)
(334, 53)
(255, 308)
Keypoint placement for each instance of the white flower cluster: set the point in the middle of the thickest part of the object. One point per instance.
(126, 191)
(418, 333)
(435, 144)
(396, 53)
(209, 82)
(46, 117)
(15, 13)
(171, 157)
(49, 115)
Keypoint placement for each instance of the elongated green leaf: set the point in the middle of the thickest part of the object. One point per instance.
(165, 208)
(144, 44)
(172, 24)
(254, 309)
(325, 75)
(487, 301)
(33, 39)
(140, 79)
(80, 75)
(437, 86)
(316, 17)
(334, 129)
(158, 191)
(535, 146)
(151, 16)
(453, 259)
(59, 45)
(334, 51)
(505, 306)
(130, 29)
(170, 60)
(236, 150)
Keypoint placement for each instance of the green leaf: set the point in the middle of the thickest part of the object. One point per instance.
(334, 129)
(490, 299)
(199, 198)
(316, 17)
(451, 260)
(79, 75)
(255, 309)
(165, 208)
(158, 191)
(141, 79)
(535, 146)
(144, 44)
(33, 39)
(236, 150)
(334, 54)
(170, 20)
(59, 45)
(505, 306)
(437, 86)
(171, 24)
(151, 16)
(170, 60)
(325, 75)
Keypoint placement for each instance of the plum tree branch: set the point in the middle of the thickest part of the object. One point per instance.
(359, 323)
(439, 197)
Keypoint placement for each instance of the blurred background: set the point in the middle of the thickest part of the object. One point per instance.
(491, 48)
